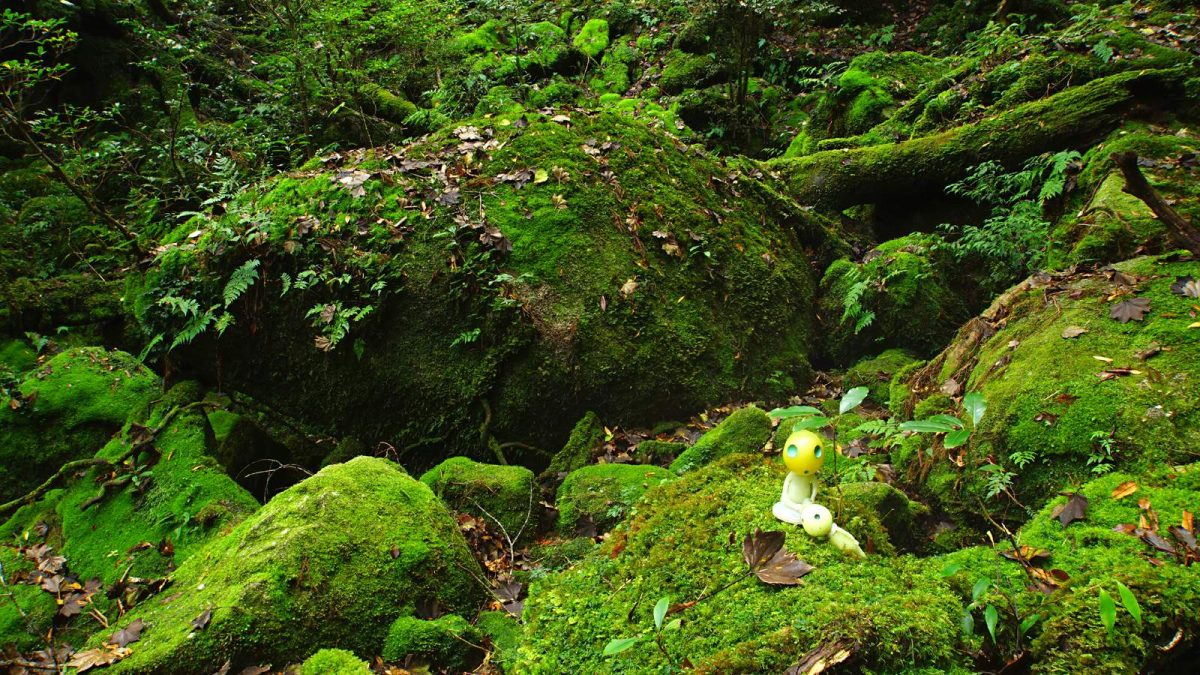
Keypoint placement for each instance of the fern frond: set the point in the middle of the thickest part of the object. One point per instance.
(241, 280)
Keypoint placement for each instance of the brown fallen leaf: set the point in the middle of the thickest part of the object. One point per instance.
(758, 548)
(1028, 554)
(824, 657)
(94, 658)
(1073, 332)
(201, 622)
(1124, 490)
(1110, 373)
(128, 635)
(783, 569)
(1188, 521)
(1074, 509)
(1133, 309)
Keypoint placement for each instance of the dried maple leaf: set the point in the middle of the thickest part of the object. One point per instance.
(128, 635)
(1074, 509)
(758, 548)
(1133, 309)
(783, 569)
(98, 657)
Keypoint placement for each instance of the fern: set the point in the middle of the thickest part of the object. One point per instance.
(181, 306)
(225, 321)
(287, 283)
(193, 328)
(241, 279)
(852, 307)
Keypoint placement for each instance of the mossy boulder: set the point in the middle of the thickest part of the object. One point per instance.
(745, 430)
(445, 643)
(603, 494)
(67, 409)
(592, 39)
(332, 560)
(898, 610)
(178, 499)
(334, 662)
(507, 495)
(696, 296)
(653, 451)
(504, 632)
(683, 71)
(577, 451)
(876, 373)
(905, 293)
(1048, 359)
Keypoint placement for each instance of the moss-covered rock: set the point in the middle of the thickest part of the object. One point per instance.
(592, 39)
(654, 451)
(577, 452)
(876, 372)
(689, 301)
(505, 634)
(898, 610)
(176, 498)
(603, 494)
(688, 71)
(745, 430)
(504, 494)
(907, 294)
(1056, 414)
(334, 662)
(448, 642)
(67, 409)
(306, 570)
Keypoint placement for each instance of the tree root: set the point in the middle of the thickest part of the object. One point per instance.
(1183, 233)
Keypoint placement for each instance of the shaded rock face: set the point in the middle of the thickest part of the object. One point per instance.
(638, 285)
(332, 560)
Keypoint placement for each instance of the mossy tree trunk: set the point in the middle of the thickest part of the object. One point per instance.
(1073, 118)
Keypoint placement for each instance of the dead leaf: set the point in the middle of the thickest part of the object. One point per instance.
(1188, 521)
(1186, 286)
(628, 288)
(1028, 554)
(825, 656)
(255, 670)
(783, 569)
(201, 622)
(1074, 509)
(1124, 490)
(1073, 332)
(1151, 350)
(98, 657)
(1133, 309)
(128, 635)
(1110, 373)
(758, 548)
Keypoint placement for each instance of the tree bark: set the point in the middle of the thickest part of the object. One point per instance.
(1182, 232)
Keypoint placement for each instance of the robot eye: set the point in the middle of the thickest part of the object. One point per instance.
(816, 516)
(817, 451)
(792, 451)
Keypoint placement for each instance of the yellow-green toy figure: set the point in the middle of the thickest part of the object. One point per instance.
(804, 455)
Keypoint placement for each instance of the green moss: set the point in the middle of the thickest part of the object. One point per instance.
(746, 430)
(656, 452)
(912, 287)
(592, 39)
(577, 452)
(334, 662)
(687, 71)
(898, 609)
(615, 69)
(16, 357)
(443, 642)
(505, 634)
(304, 571)
(556, 93)
(486, 38)
(604, 494)
(900, 395)
(876, 372)
(1044, 396)
(506, 494)
(69, 407)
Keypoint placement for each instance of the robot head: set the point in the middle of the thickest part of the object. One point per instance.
(816, 519)
(804, 453)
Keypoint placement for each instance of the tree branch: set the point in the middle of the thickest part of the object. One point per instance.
(1182, 232)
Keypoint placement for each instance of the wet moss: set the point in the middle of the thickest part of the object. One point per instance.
(504, 494)
(334, 662)
(505, 634)
(604, 494)
(898, 609)
(577, 451)
(745, 430)
(876, 372)
(592, 39)
(68, 408)
(303, 571)
(445, 642)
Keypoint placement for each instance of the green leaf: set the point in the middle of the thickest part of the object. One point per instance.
(926, 427)
(674, 624)
(811, 423)
(1130, 602)
(956, 438)
(992, 617)
(980, 588)
(1028, 622)
(967, 623)
(950, 569)
(660, 611)
(951, 420)
(975, 405)
(618, 645)
(793, 411)
(1108, 611)
(852, 399)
